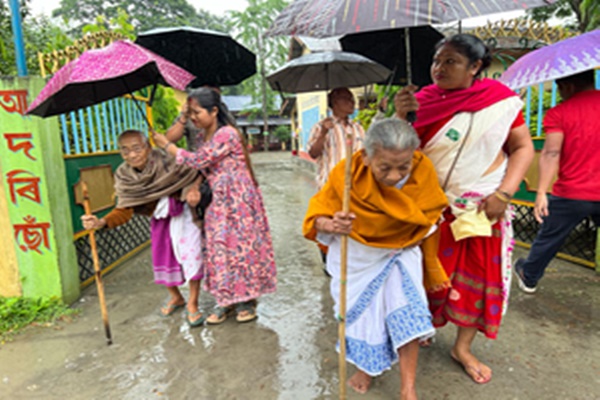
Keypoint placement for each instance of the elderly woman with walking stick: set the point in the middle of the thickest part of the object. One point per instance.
(149, 183)
(395, 204)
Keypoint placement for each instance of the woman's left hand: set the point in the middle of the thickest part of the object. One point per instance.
(493, 207)
(160, 140)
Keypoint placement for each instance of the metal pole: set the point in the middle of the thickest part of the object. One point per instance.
(411, 116)
(18, 34)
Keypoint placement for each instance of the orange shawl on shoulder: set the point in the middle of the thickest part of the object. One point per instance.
(387, 217)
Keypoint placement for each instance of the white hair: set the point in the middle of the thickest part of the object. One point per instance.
(390, 134)
(128, 132)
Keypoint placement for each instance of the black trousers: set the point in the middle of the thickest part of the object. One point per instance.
(564, 215)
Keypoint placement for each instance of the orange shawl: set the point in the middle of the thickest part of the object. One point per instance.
(387, 217)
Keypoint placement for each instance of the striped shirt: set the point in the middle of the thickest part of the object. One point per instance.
(334, 148)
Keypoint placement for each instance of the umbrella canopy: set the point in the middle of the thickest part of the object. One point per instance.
(102, 74)
(388, 47)
(567, 57)
(322, 18)
(214, 57)
(327, 70)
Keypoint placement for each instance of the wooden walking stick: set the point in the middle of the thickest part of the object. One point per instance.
(98, 272)
(344, 270)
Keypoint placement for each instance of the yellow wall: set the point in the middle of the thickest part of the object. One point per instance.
(9, 268)
(180, 96)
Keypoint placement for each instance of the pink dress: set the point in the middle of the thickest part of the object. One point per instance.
(238, 252)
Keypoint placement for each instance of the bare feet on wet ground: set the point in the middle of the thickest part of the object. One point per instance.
(478, 371)
(360, 382)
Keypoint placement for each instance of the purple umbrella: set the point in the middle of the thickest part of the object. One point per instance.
(558, 60)
(103, 74)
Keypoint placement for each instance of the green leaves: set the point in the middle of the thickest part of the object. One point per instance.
(581, 15)
(164, 108)
(249, 27)
(590, 13)
(143, 14)
(19, 312)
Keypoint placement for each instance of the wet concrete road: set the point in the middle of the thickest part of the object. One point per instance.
(548, 347)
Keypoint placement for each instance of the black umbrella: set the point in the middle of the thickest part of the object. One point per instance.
(214, 57)
(327, 70)
(326, 18)
(388, 47)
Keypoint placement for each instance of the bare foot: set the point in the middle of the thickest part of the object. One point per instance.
(478, 371)
(360, 382)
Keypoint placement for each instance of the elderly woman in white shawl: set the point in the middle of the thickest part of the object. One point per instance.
(395, 204)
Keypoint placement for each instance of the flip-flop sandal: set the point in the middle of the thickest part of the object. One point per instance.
(221, 314)
(171, 308)
(472, 368)
(249, 307)
(195, 322)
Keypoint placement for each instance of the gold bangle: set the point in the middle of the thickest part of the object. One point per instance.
(505, 194)
(501, 196)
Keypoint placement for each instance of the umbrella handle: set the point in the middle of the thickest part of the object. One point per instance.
(388, 86)
(411, 117)
(152, 94)
(136, 103)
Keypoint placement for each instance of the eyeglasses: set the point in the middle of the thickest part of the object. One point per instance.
(135, 149)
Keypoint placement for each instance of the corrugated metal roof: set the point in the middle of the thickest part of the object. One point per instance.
(244, 102)
(238, 102)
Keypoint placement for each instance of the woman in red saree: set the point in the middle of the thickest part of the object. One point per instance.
(473, 131)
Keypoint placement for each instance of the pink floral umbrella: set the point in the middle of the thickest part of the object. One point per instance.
(103, 74)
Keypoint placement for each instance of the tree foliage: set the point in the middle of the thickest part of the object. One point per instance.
(590, 13)
(119, 24)
(40, 34)
(7, 47)
(250, 26)
(581, 15)
(144, 14)
(535, 115)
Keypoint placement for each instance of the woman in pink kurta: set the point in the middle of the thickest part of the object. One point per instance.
(238, 251)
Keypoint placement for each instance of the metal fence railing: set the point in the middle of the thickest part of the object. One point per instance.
(95, 129)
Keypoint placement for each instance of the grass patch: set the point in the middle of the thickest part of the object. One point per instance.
(19, 312)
